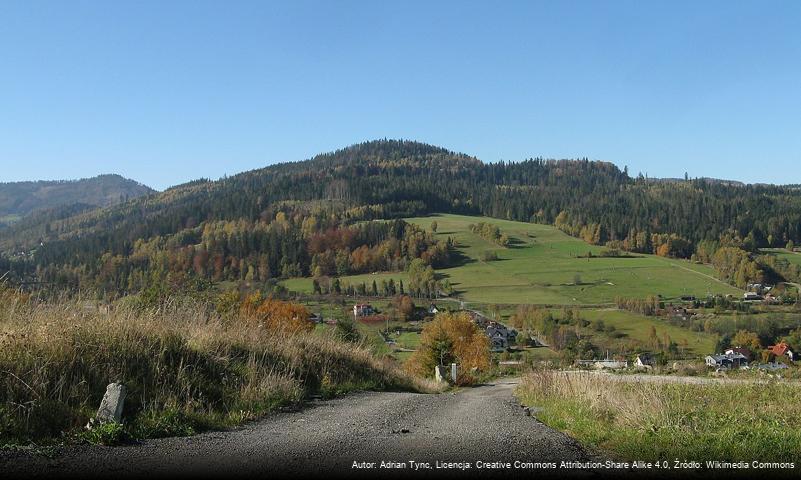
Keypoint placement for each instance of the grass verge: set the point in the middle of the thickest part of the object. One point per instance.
(646, 421)
(186, 369)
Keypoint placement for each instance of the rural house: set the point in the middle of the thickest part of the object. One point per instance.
(499, 330)
(733, 360)
(363, 310)
(644, 360)
(742, 351)
(781, 349)
(500, 335)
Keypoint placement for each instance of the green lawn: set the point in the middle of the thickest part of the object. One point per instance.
(541, 265)
(792, 257)
(638, 329)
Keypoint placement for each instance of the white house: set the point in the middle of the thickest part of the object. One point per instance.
(644, 360)
(731, 360)
(363, 310)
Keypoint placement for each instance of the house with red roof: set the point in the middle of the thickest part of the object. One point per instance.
(781, 349)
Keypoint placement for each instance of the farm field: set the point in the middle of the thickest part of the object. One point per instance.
(542, 265)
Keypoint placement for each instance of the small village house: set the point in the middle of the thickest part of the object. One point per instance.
(644, 360)
(726, 361)
(781, 350)
(363, 310)
(741, 351)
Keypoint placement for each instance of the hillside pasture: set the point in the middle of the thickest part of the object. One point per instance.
(543, 265)
(792, 257)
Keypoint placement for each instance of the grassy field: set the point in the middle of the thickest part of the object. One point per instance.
(637, 329)
(792, 257)
(541, 266)
(646, 421)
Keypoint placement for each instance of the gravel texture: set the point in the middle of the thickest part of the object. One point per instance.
(485, 423)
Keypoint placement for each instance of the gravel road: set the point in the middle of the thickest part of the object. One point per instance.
(478, 424)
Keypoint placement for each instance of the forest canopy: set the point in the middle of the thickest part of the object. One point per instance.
(326, 217)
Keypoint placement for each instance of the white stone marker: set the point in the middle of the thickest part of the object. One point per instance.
(110, 410)
(440, 373)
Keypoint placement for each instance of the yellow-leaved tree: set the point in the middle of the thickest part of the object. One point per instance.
(449, 338)
(746, 339)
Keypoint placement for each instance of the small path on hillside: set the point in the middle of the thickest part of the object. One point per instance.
(698, 273)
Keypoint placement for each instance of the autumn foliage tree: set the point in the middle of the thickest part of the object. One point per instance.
(746, 339)
(451, 338)
(736, 266)
(277, 315)
(404, 306)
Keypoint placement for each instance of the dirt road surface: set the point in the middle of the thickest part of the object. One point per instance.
(484, 424)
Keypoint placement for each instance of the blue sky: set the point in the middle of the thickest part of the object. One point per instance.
(165, 92)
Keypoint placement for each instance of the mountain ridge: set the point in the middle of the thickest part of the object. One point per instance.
(393, 179)
(20, 199)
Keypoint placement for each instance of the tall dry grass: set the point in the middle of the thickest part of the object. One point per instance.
(639, 420)
(185, 367)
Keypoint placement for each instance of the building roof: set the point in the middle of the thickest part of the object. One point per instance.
(779, 349)
(740, 350)
(727, 357)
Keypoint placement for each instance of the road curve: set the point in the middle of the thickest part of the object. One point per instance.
(484, 423)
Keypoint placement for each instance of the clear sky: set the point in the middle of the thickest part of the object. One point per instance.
(167, 91)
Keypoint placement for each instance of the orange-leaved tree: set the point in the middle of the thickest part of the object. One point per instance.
(277, 315)
(451, 337)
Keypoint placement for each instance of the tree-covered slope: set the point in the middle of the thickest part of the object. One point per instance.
(395, 178)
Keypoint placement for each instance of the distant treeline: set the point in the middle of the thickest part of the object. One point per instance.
(391, 179)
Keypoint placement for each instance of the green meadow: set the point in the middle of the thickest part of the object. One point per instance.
(545, 266)
(792, 257)
(637, 330)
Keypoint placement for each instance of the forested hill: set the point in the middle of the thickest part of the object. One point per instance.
(18, 199)
(391, 179)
